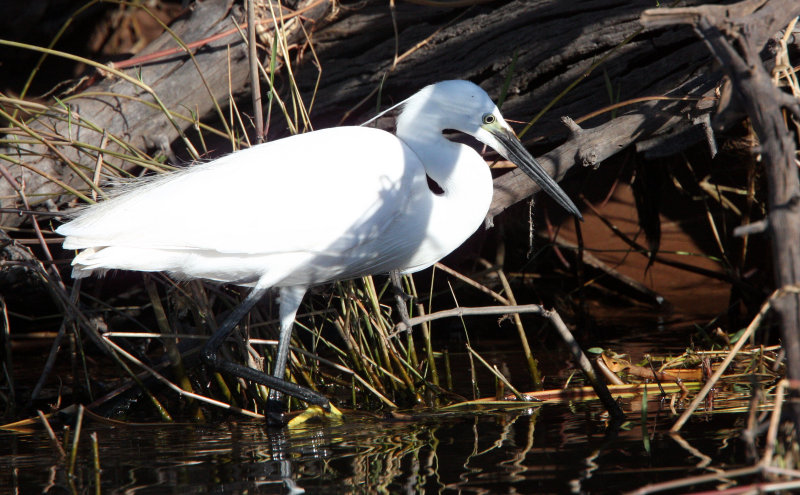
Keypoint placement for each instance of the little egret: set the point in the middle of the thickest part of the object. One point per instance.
(328, 205)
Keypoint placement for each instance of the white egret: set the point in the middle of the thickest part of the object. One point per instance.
(327, 205)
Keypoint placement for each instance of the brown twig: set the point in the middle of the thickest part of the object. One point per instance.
(255, 82)
(745, 337)
(735, 35)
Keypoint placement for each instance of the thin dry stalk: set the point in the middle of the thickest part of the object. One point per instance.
(350, 372)
(493, 370)
(178, 389)
(754, 324)
(533, 365)
(51, 434)
(775, 418)
(73, 455)
(8, 365)
(172, 351)
(473, 283)
(255, 82)
(96, 462)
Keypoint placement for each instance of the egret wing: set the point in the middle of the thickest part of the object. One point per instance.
(323, 192)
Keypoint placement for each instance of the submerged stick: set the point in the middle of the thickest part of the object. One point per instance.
(598, 385)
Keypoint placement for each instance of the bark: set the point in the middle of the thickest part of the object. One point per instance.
(543, 46)
(735, 35)
(123, 119)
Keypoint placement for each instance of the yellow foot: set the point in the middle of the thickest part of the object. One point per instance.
(334, 415)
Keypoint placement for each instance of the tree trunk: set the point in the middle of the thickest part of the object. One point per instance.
(541, 46)
(736, 36)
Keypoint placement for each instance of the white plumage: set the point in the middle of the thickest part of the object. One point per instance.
(328, 205)
(305, 214)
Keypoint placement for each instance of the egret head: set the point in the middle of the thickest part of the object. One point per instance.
(465, 107)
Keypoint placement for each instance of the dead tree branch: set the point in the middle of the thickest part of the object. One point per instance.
(735, 34)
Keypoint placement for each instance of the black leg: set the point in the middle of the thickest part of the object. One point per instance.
(400, 297)
(277, 385)
(289, 300)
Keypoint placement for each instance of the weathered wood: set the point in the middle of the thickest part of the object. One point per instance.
(735, 35)
(114, 109)
(589, 147)
(545, 45)
(111, 105)
(555, 44)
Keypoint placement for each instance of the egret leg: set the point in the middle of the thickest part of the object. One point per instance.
(275, 382)
(400, 297)
(289, 300)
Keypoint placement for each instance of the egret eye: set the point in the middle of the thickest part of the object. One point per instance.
(325, 203)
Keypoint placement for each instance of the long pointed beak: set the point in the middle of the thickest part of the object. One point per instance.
(513, 150)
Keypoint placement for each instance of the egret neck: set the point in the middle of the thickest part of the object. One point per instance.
(460, 172)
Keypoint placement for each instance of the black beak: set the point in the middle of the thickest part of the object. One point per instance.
(514, 151)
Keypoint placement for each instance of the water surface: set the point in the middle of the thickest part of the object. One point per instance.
(543, 449)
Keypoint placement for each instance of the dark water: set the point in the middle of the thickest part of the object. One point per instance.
(550, 448)
(545, 448)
